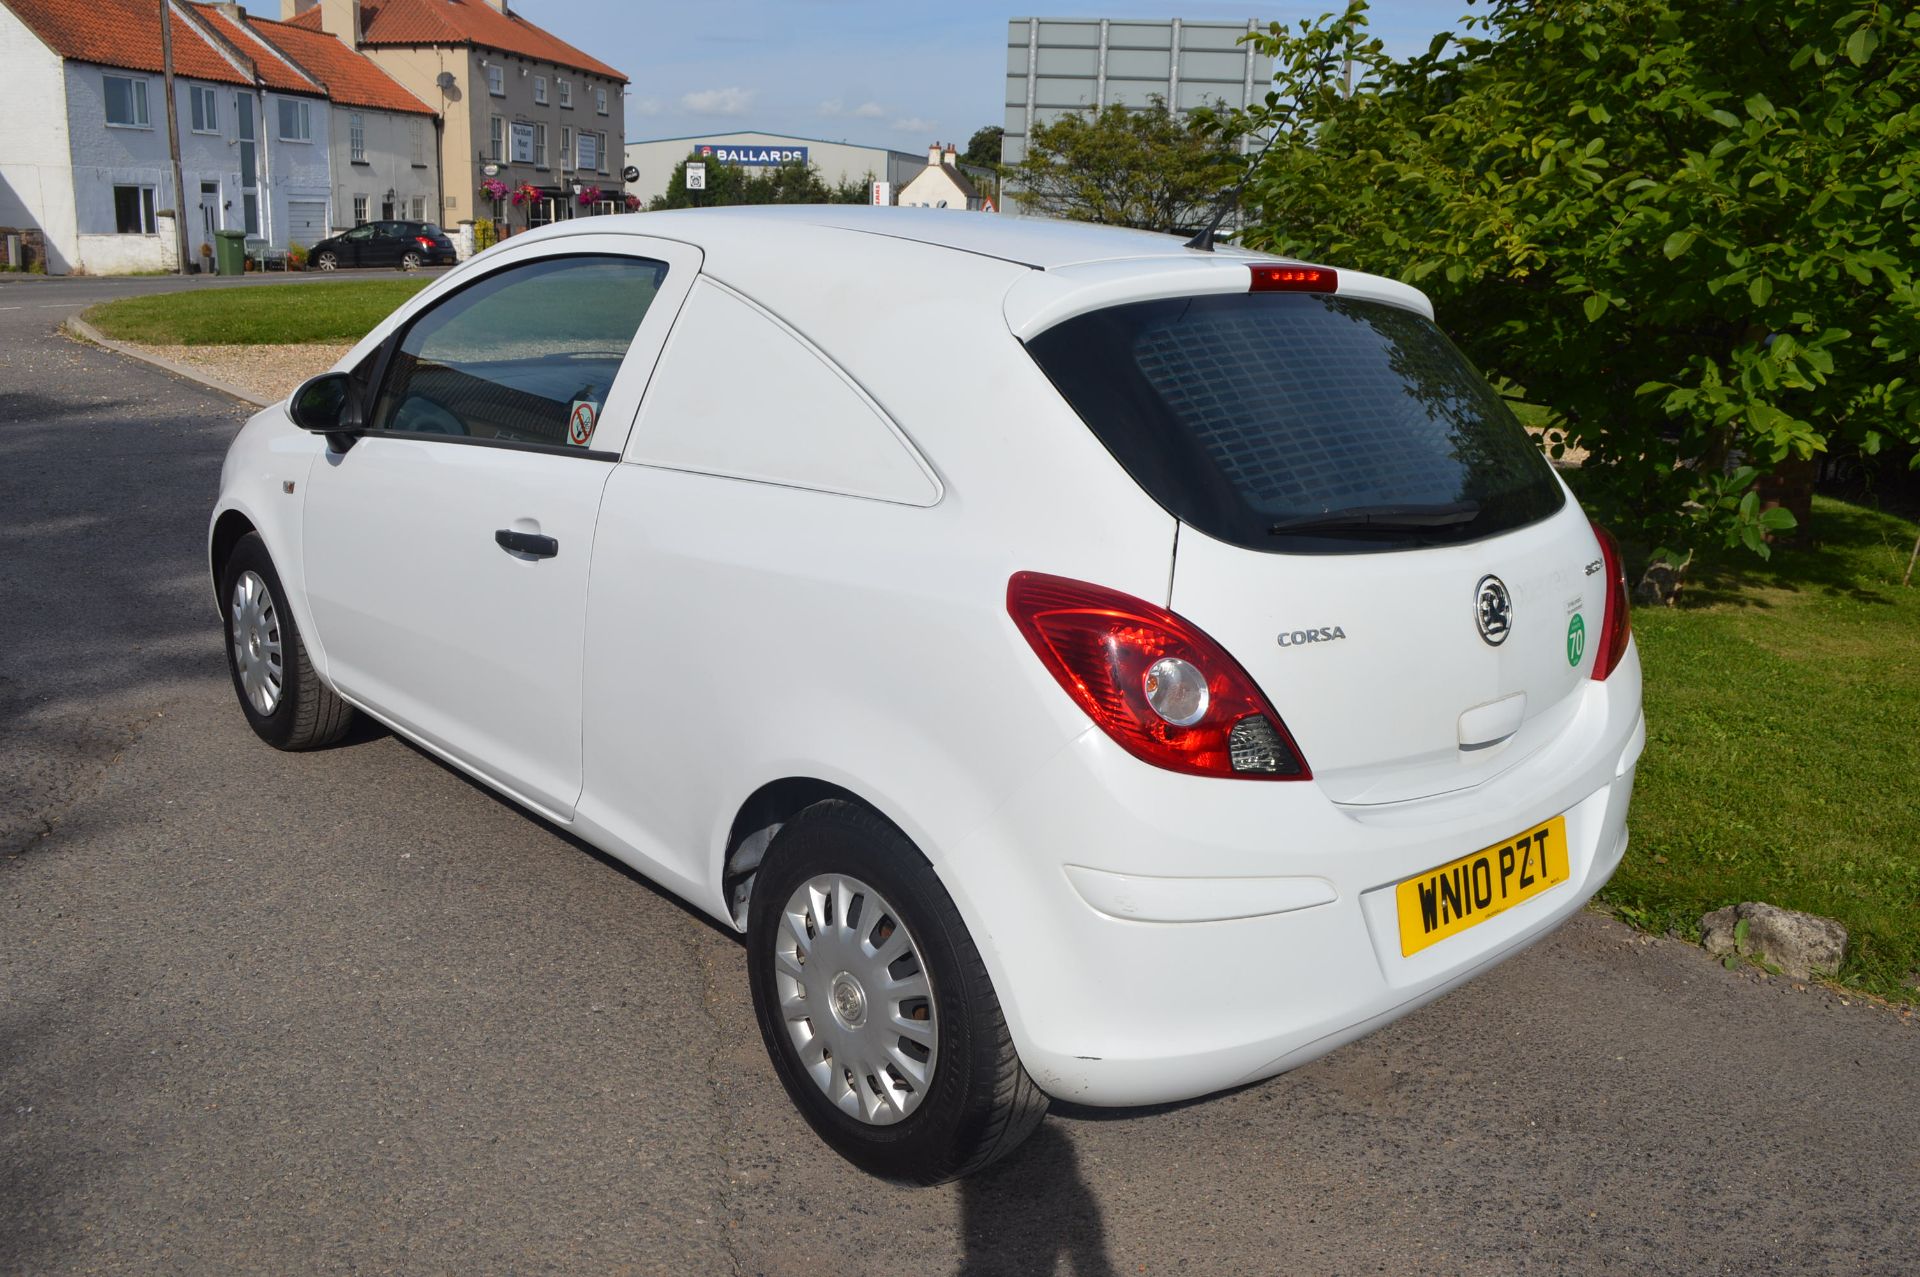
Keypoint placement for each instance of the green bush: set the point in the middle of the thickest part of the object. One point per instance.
(1680, 234)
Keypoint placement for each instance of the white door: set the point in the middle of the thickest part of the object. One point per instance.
(209, 219)
(306, 222)
(446, 551)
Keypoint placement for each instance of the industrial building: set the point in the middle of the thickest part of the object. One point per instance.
(838, 162)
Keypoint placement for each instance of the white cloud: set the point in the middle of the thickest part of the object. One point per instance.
(914, 124)
(835, 108)
(731, 100)
(645, 106)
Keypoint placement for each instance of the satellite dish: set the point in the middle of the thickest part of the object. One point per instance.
(444, 79)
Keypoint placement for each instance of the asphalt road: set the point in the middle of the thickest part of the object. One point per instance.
(346, 1011)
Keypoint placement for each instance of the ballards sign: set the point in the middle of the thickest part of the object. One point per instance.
(754, 154)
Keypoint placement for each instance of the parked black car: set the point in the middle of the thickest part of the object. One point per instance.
(408, 245)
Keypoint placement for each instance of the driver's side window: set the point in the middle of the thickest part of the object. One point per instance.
(524, 356)
(359, 233)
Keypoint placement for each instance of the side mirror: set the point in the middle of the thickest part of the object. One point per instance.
(328, 405)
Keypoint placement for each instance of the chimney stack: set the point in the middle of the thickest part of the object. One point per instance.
(952, 157)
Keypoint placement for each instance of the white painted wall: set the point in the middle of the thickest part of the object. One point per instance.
(295, 170)
(36, 167)
(389, 164)
(105, 156)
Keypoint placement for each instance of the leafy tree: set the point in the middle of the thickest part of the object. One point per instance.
(789, 183)
(983, 148)
(1142, 168)
(1679, 233)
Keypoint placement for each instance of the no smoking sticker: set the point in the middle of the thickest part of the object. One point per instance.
(581, 421)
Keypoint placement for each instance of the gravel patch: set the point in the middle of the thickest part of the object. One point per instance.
(269, 371)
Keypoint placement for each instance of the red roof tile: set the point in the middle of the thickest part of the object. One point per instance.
(275, 71)
(469, 22)
(306, 19)
(351, 78)
(124, 33)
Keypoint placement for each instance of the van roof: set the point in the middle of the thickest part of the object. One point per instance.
(1036, 242)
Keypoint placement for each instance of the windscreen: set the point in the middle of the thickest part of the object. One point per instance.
(1300, 423)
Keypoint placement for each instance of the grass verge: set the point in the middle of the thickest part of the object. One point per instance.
(256, 316)
(1783, 745)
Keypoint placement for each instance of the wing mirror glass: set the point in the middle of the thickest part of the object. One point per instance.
(328, 405)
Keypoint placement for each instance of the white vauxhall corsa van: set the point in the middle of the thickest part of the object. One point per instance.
(1081, 666)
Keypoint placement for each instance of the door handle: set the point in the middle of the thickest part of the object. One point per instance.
(531, 544)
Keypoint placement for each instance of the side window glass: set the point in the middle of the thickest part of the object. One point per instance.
(526, 355)
(359, 233)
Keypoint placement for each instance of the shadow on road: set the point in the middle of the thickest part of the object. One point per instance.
(1023, 1218)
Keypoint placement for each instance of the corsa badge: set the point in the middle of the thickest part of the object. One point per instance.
(1492, 610)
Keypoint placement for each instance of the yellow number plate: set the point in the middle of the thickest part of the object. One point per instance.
(1446, 901)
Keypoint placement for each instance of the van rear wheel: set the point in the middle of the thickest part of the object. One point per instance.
(875, 1006)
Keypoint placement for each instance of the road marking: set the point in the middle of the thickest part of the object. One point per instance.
(12, 307)
(54, 306)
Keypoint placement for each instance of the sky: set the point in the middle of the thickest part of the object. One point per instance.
(897, 73)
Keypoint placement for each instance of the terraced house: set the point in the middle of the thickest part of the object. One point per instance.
(520, 108)
(273, 125)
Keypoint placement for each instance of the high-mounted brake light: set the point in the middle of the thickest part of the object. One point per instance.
(1616, 627)
(1160, 687)
(1293, 279)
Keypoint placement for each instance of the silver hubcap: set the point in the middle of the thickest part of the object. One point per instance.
(855, 998)
(256, 643)
(326, 261)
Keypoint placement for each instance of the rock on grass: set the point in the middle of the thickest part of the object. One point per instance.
(1802, 945)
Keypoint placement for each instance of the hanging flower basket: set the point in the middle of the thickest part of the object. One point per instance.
(633, 203)
(494, 189)
(525, 193)
(589, 195)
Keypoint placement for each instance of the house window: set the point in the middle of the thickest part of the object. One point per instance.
(419, 208)
(496, 139)
(497, 80)
(600, 140)
(127, 102)
(540, 146)
(600, 101)
(566, 146)
(206, 109)
(540, 89)
(357, 137)
(133, 210)
(419, 144)
(296, 121)
(589, 151)
(359, 210)
(566, 94)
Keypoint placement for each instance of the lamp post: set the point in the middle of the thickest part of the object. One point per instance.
(173, 137)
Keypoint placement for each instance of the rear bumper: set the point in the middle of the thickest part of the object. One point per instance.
(1156, 937)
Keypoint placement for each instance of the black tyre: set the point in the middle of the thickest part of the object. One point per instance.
(875, 1006)
(283, 698)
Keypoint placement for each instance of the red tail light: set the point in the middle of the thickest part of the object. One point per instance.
(1117, 656)
(1617, 627)
(423, 241)
(1293, 279)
